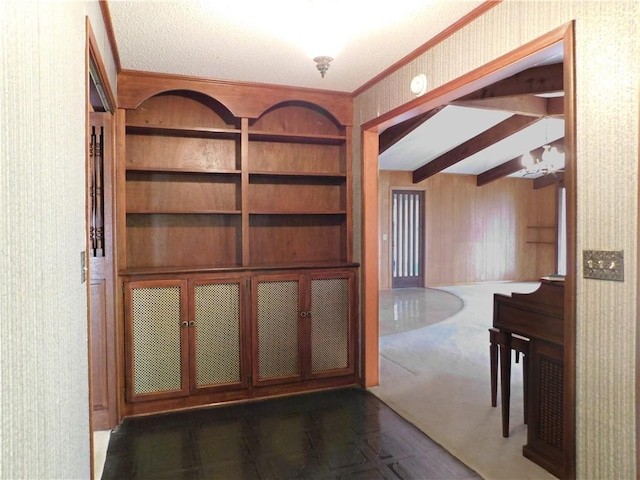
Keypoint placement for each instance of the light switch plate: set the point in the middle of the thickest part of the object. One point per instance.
(603, 265)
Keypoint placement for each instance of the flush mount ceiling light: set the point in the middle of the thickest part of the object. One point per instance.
(322, 64)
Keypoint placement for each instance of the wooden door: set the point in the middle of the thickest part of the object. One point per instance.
(330, 320)
(218, 337)
(156, 339)
(407, 245)
(100, 258)
(277, 336)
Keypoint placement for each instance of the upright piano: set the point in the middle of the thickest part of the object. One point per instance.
(538, 316)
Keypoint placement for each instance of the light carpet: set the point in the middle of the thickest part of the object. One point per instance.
(437, 377)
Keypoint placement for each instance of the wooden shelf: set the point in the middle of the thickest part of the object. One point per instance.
(301, 212)
(182, 131)
(274, 174)
(265, 136)
(178, 170)
(201, 186)
(184, 212)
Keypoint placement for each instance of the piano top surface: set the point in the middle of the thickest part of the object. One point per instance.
(539, 314)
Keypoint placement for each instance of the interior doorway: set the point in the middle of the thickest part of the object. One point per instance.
(100, 253)
(370, 149)
(407, 238)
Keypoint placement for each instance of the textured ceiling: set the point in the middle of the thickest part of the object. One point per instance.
(243, 40)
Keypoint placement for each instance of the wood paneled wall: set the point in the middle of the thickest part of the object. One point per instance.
(477, 234)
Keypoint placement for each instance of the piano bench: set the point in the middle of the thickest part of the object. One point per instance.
(521, 346)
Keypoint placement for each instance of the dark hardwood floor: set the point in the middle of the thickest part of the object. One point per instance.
(339, 434)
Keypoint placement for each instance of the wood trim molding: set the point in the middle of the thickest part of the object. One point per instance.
(108, 24)
(370, 297)
(446, 33)
(134, 87)
(94, 52)
(570, 182)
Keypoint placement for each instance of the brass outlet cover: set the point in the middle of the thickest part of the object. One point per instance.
(603, 265)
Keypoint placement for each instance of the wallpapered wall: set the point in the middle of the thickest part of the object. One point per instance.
(44, 409)
(607, 48)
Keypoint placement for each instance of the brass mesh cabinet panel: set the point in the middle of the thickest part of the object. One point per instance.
(217, 322)
(277, 330)
(330, 325)
(545, 434)
(156, 334)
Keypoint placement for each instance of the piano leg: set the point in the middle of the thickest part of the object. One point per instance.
(494, 342)
(505, 379)
(525, 381)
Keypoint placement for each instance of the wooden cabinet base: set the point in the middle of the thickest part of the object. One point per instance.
(226, 398)
(206, 338)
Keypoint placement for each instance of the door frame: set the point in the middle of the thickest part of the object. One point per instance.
(92, 55)
(370, 219)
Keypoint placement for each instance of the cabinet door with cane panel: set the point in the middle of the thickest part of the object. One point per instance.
(303, 326)
(185, 337)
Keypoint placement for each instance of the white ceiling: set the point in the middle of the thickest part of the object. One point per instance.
(235, 39)
(454, 125)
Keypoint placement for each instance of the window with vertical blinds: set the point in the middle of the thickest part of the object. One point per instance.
(407, 238)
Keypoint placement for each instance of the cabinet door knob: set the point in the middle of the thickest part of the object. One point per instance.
(192, 323)
(303, 314)
(309, 314)
(184, 324)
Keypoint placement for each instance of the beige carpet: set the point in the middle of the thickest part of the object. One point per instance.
(437, 377)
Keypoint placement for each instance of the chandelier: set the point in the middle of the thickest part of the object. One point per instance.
(551, 161)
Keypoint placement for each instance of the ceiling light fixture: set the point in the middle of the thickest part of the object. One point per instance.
(322, 64)
(550, 161)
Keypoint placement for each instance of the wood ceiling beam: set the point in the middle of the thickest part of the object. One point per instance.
(496, 133)
(533, 81)
(522, 105)
(511, 166)
(394, 134)
(555, 107)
